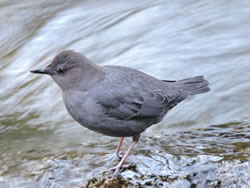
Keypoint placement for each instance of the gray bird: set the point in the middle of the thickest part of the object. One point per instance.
(116, 101)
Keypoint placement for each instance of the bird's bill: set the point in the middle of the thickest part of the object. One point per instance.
(40, 71)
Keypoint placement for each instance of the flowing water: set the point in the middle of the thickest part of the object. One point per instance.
(203, 142)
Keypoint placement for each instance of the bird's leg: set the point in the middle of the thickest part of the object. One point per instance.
(115, 155)
(118, 148)
(118, 167)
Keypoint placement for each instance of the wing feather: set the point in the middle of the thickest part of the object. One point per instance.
(138, 104)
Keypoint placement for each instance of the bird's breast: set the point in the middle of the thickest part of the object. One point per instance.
(82, 108)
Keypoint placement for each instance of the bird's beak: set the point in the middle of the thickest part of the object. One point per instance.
(40, 71)
(47, 70)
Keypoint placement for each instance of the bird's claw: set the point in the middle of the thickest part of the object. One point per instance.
(118, 168)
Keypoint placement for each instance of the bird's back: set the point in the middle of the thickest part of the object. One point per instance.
(134, 78)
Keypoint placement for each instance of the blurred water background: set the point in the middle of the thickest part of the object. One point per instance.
(40, 144)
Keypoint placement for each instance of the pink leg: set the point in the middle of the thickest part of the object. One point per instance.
(119, 147)
(118, 167)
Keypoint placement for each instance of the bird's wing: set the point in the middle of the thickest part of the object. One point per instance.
(138, 104)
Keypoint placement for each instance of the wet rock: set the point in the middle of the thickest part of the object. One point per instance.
(212, 157)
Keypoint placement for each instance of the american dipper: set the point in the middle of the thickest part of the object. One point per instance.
(116, 101)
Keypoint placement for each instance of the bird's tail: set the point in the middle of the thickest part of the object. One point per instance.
(195, 85)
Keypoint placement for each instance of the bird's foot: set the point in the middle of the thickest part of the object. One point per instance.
(118, 168)
(117, 171)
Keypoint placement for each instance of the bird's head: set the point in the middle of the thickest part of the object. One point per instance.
(69, 69)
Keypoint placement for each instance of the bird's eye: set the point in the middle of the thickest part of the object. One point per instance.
(59, 70)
